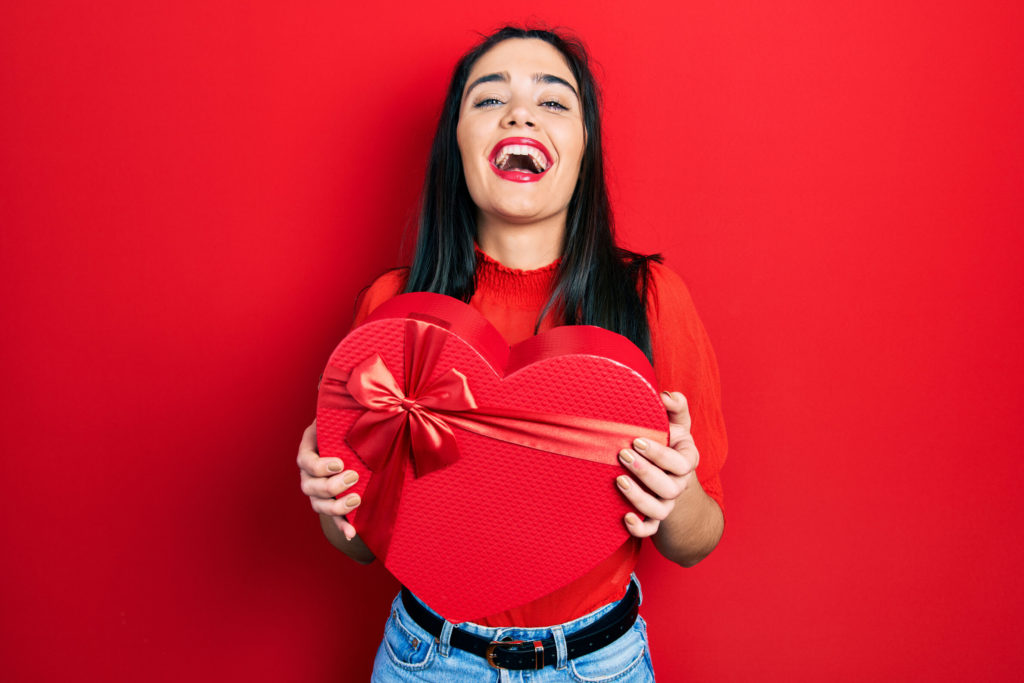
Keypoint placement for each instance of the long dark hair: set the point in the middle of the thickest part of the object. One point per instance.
(597, 283)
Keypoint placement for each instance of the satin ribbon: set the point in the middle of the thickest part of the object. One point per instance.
(410, 424)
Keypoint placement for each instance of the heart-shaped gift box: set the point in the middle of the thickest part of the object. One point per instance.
(487, 473)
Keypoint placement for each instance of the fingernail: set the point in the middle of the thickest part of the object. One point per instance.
(626, 456)
(631, 518)
(666, 394)
(352, 500)
(350, 478)
(334, 466)
(640, 444)
(623, 482)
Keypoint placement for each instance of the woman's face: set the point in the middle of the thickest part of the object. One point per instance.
(521, 132)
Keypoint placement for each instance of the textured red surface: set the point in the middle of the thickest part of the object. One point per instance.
(506, 524)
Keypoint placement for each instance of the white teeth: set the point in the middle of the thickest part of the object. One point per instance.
(526, 150)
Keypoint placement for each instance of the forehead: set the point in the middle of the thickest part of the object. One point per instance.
(523, 56)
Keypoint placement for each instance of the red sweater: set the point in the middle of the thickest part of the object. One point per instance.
(683, 361)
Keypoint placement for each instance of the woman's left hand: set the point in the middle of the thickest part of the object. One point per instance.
(659, 475)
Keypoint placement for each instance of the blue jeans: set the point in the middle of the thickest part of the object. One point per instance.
(408, 653)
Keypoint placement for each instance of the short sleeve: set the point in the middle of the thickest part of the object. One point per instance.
(385, 287)
(684, 361)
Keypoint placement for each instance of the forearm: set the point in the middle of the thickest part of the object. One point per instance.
(355, 548)
(692, 529)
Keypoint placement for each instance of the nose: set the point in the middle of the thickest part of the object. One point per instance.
(518, 115)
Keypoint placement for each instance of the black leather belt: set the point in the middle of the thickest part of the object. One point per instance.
(533, 654)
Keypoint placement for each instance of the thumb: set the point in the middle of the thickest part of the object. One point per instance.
(345, 527)
(677, 408)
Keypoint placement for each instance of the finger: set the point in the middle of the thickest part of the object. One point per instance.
(307, 444)
(678, 459)
(677, 407)
(645, 503)
(309, 438)
(328, 487)
(641, 528)
(336, 508)
(315, 466)
(663, 484)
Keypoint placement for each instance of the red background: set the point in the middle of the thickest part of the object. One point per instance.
(191, 196)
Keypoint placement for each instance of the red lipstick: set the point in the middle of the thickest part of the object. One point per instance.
(517, 176)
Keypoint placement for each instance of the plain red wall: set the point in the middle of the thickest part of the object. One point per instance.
(191, 195)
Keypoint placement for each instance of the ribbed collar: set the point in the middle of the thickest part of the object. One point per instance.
(522, 288)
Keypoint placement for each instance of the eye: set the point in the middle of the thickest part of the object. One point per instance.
(554, 105)
(487, 102)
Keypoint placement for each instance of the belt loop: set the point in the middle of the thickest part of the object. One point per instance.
(562, 651)
(639, 590)
(445, 639)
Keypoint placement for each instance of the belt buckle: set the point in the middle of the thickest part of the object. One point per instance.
(489, 656)
(538, 652)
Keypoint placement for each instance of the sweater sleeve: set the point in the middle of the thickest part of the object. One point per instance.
(385, 287)
(684, 361)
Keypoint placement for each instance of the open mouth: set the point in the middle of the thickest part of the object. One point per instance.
(520, 159)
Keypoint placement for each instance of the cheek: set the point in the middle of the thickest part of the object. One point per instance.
(460, 140)
(464, 138)
(575, 160)
(469, 151)
(573, 145)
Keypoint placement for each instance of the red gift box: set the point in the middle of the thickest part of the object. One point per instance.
(487, 473)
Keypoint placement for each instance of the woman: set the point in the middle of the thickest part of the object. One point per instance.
(516, 221)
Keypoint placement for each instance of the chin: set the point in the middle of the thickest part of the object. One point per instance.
(518, 213)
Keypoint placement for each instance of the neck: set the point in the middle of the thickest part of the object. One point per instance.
(521, 246)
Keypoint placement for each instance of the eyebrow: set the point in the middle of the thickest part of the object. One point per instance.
(503, 77)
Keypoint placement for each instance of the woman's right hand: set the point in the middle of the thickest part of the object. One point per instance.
(324, 478)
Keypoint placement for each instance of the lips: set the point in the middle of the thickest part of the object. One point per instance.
(520, 160)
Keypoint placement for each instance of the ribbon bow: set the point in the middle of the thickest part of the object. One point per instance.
(395, 423)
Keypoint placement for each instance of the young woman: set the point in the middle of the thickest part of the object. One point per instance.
(516, 222)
